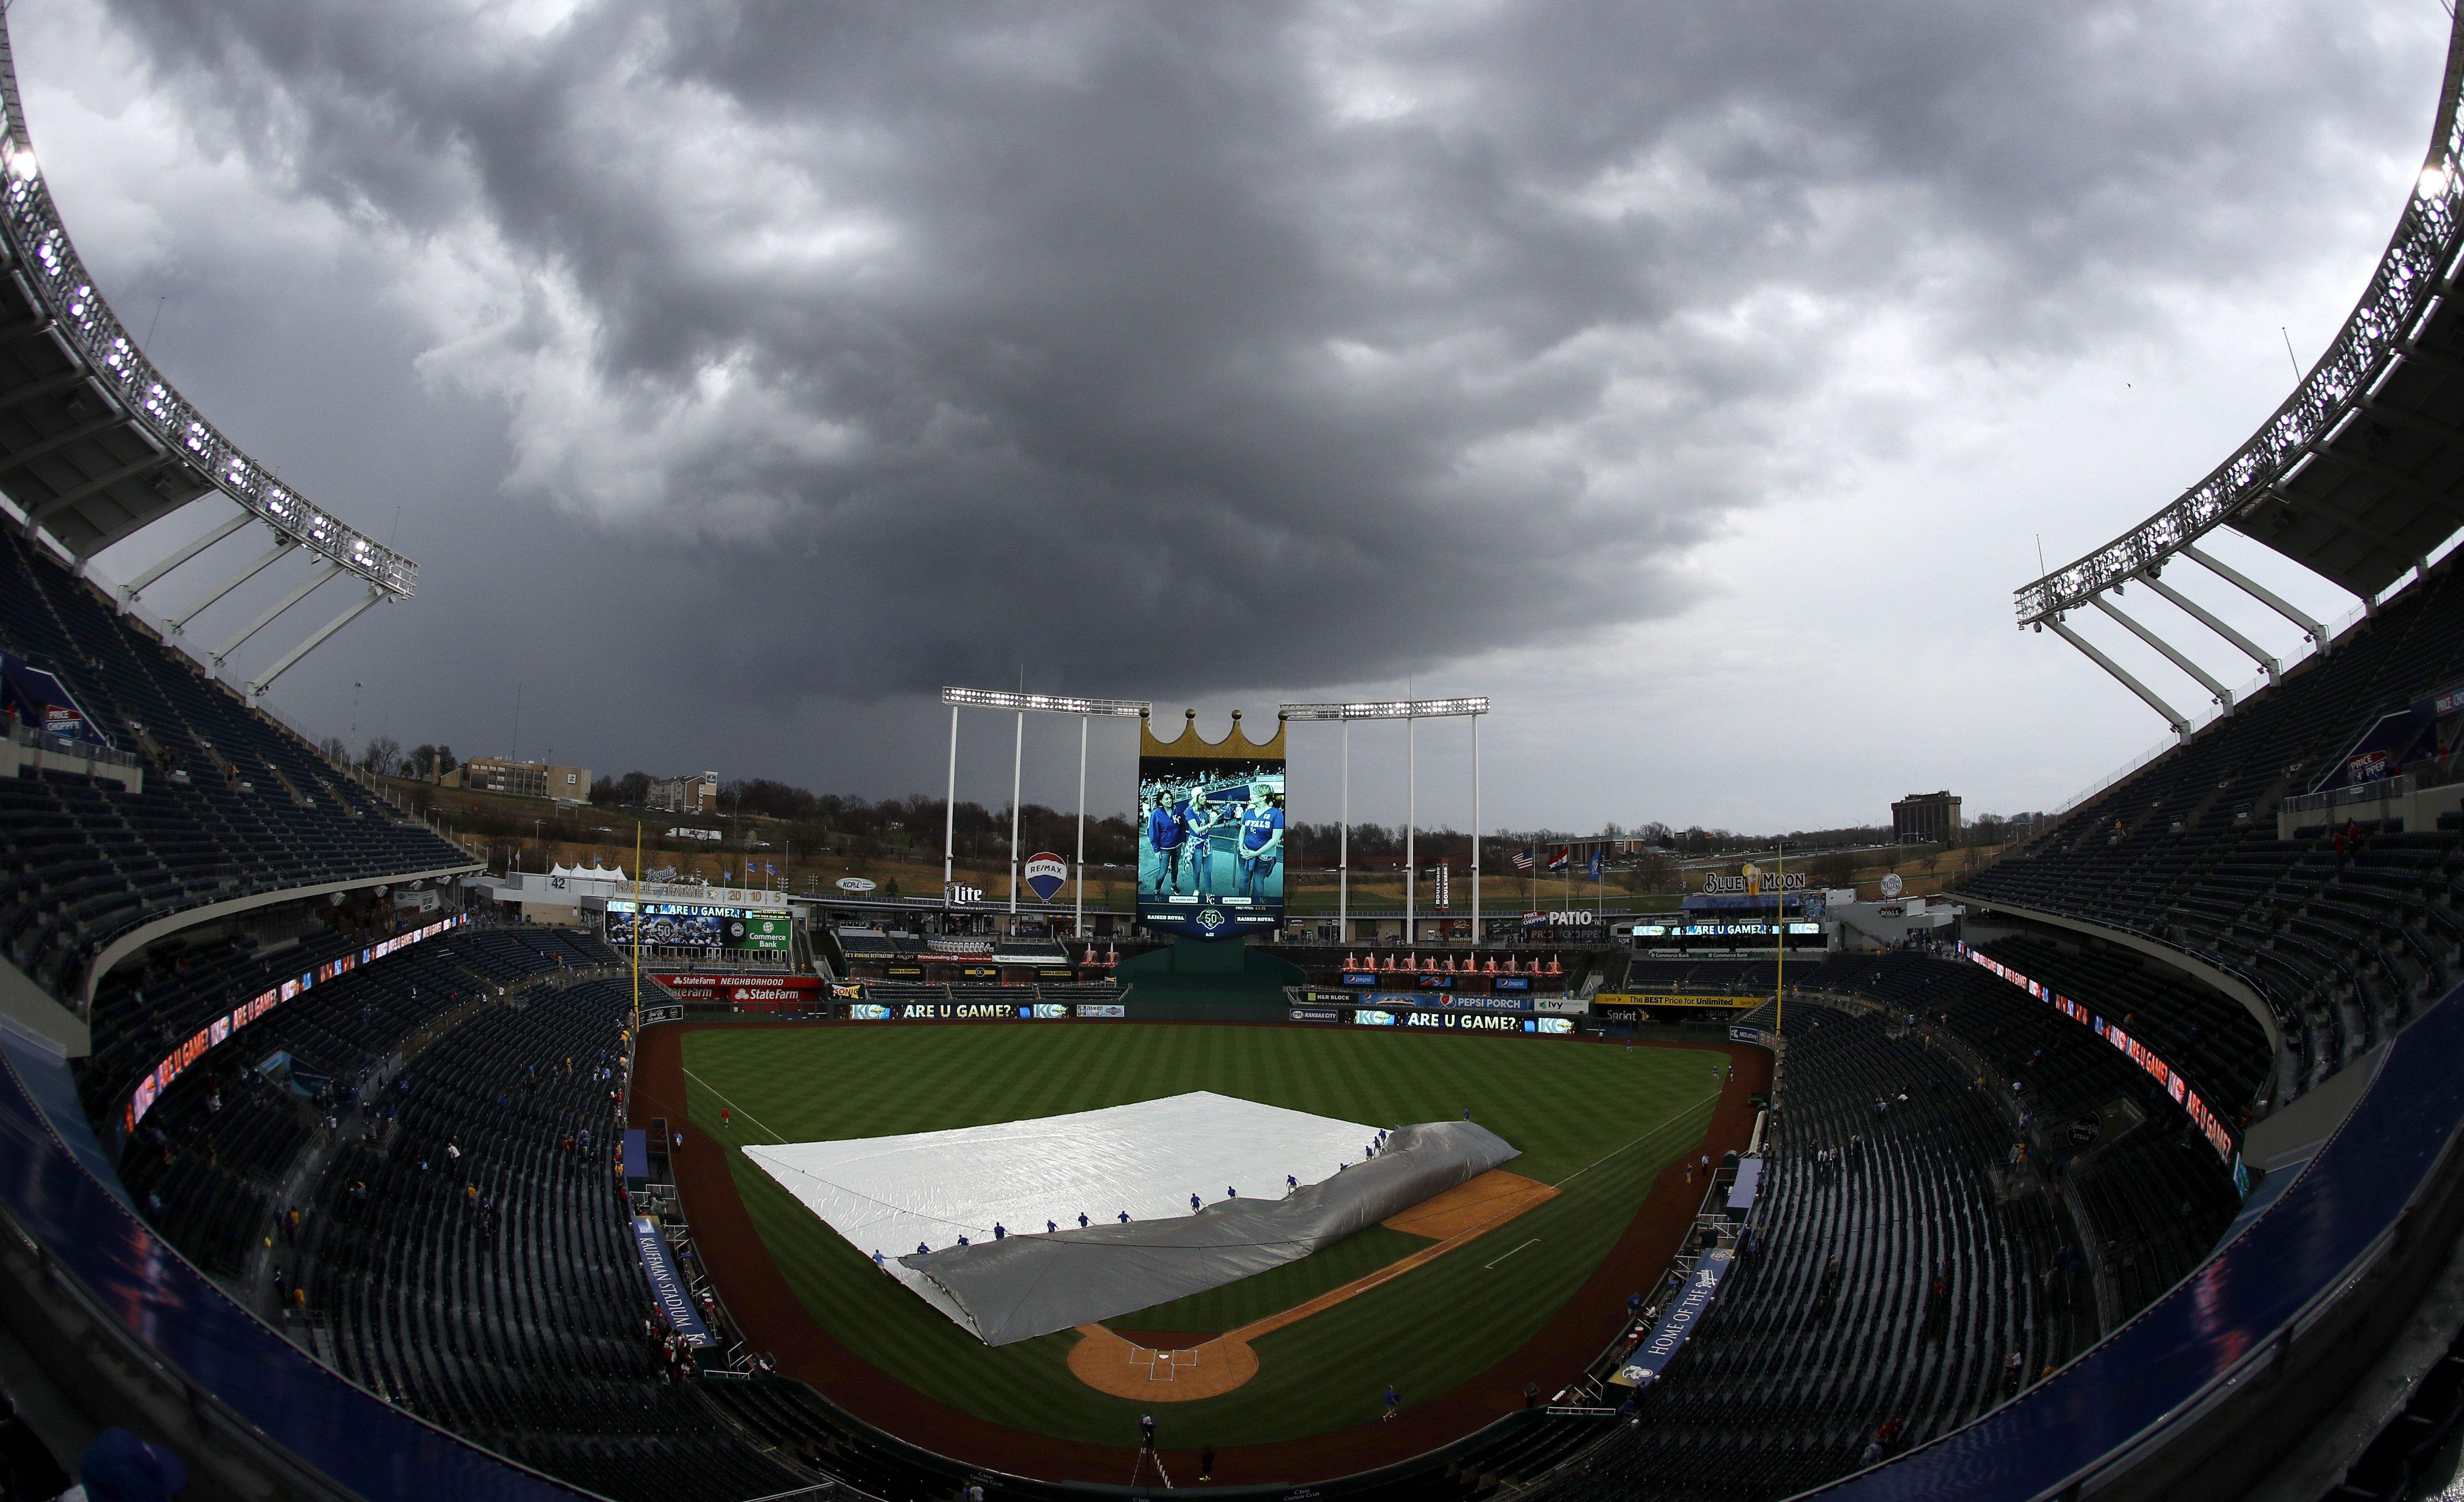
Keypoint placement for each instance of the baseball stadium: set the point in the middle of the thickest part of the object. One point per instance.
(345, 1162)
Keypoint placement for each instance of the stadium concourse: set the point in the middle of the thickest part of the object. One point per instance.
(2142, 1181)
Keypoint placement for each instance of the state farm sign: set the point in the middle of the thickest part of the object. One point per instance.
(747, 992)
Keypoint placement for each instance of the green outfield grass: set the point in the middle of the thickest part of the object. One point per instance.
(1599, 1121)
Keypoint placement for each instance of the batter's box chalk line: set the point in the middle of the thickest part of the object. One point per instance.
(1164, 1369)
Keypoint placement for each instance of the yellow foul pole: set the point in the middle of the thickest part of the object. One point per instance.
(1779, 987)
(637, 933)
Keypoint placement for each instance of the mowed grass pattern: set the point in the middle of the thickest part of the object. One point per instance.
(1602, 1122)
(1278, 1289)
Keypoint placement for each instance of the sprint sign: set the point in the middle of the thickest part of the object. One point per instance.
(1045, 874)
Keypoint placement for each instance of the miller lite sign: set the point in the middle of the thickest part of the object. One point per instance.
(1045, 874)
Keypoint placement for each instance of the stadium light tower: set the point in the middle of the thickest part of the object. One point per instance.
(1410, 711)
(101, 446)
(1084, 709)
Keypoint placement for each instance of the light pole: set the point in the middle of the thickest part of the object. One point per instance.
(1017, 758)
(1475, 831)
(1022, 704)
(1408, 710)
(950, 806)
(1078, 914)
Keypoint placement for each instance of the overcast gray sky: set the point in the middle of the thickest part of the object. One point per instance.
(1697, 382)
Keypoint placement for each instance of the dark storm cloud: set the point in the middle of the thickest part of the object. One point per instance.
(1205, 345)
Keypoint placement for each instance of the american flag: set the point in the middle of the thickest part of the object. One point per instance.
(1523, 858)
(1564, 853)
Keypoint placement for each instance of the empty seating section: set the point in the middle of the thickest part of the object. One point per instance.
(1832, 1330)
(2185, 850)
(2158, 1195)
(463, 1260)
(233, 803)
(208, 1161)
(478, 1270)
(2210, 1037)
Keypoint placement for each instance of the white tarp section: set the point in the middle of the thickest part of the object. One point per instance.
(890, 1194)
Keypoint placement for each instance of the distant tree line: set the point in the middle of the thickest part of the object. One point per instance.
(384, 757)
(845, 824)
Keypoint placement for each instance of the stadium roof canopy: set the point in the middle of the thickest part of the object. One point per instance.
(2358, 477)
(96, 444)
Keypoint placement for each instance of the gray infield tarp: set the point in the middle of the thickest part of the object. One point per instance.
(1029, 1286)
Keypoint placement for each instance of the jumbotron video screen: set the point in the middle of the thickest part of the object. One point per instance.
(696, 925)
(1210, 844)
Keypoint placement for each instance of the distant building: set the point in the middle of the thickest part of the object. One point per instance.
(1925, 819)
(488, 774)
(697, 793)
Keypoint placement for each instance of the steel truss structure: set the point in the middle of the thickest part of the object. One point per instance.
(2357, 476)
(96, 444)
